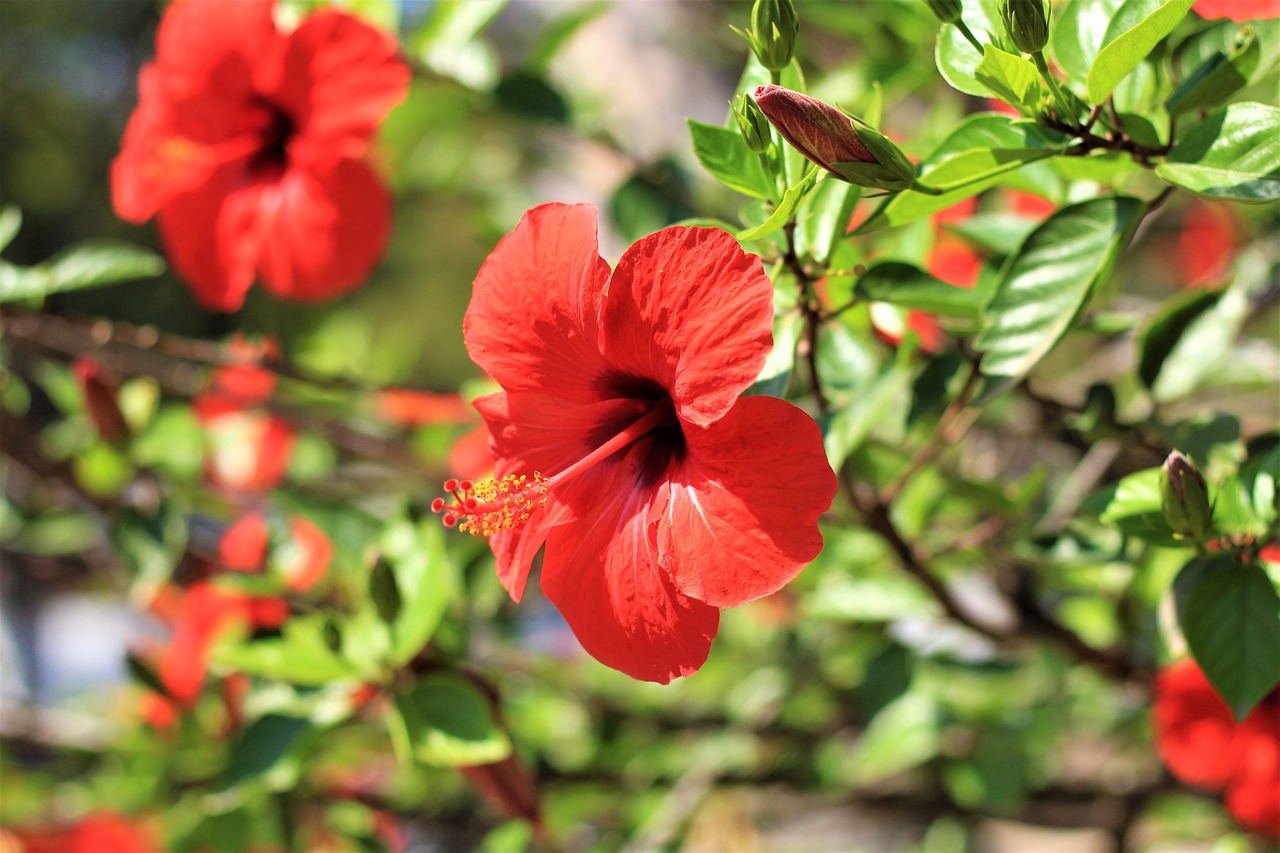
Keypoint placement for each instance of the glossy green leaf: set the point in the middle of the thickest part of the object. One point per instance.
(824, 216)
(425, 582)
(1048, 283)
(1230, 615)
(1234, 154)
(1010, 78)
(911, 287)
(985, 149)
(449, 723)
(260, 746)
(853, 424)
(1157, 340)
(724, 153)
(1131, 35)
(783, 212)
(10, 223)
(998, 233)
(301, 655)
(88, 264)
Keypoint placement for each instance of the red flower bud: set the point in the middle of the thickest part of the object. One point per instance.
(101, 392)
(818, 130)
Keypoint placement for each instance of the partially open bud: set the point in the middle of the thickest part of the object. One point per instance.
(947, 11)
(101, 398)
(752, 124)
(1184, 497)
(774, 27)
(826, 136)
(1027, 23)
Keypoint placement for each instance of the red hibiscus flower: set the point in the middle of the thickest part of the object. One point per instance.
(1237, 10)
(1202, 744)
(247, 144)
(623, 444)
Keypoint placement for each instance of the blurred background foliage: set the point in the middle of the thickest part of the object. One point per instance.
(846, 712)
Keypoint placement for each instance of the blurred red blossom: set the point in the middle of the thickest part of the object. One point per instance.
(249, 448)
(100, 832)
(1202, 744)
(1237, 10)
(248, 145)
(303, 558)
(408, 407)
(201, 614)
(622, 442)
(1207, 242)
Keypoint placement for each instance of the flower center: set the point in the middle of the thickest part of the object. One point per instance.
(507, 502)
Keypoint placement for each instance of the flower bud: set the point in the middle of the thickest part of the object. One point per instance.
(1027, 23)
(947, 11)
(1184, 497)
(752, 124)
(826, 136)
(101, 396)
(774, 26)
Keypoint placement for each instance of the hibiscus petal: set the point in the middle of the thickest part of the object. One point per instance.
(206, 50)
(1194, 729)
(337, 78)
(690, 310)
(602, 573)
(211, 236)
(533, 318)
(737, 519)
(323, 231)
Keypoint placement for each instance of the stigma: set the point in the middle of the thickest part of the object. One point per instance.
(482, 509)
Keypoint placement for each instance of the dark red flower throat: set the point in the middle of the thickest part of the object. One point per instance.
(508, 502)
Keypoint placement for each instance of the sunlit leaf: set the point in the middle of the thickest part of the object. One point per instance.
(1234, 154)
(1132, 33)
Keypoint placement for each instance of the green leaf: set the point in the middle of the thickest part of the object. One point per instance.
(1230, 615)
(1127, 42)
(784, 211)
(824, 216)
(424, 580)
(86, 264)
(1133, 506)
(1202, 347)
(1048, 283)
(448, 723)
(955, 57)
(905, 734)
(1157, 340)
(1079, 32)
(912, 287)
(1234, 154)
(10, 223)
(558, 31)
(853, 424)
(301, 655)
(724, 153)
(1010, 78)
(998, 233)
(1219, 77)
(987, 143)
(260, 746)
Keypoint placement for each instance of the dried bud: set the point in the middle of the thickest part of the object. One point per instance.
(1027, 23)
(826, 136)
(774, 26)
(1184, 497)
(947, 11)
(752, 124)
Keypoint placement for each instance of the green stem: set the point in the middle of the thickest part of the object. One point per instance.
(968, 34)
(1059, 97)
